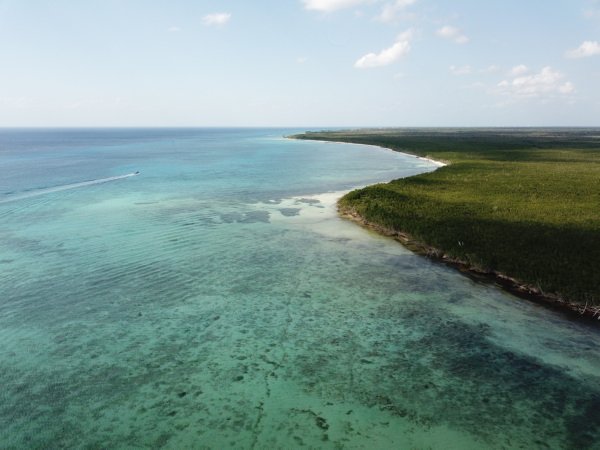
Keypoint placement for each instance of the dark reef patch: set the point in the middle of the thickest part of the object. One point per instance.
(448, 372)
(289, 212)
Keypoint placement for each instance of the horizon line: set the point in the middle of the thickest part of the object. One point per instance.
(315, 127)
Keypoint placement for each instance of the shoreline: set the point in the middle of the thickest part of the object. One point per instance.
(509, 284)
(503, 281)
(435, 162)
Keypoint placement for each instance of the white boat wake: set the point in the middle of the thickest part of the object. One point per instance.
(65, 187)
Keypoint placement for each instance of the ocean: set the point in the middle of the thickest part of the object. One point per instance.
(195, 288)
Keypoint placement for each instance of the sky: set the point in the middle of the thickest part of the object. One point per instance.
(299, 63)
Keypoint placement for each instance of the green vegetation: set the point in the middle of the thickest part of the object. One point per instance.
(521, 202)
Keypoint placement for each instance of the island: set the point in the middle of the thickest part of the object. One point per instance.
(520, 206)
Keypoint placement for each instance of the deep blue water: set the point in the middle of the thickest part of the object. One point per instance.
(216, 300)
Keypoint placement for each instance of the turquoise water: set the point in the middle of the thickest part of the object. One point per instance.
(215, 300)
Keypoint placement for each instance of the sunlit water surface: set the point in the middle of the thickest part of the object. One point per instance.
(215, 300)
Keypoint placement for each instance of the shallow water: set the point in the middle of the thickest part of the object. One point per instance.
(216, 300)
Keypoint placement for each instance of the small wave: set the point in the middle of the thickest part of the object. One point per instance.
(64, 187)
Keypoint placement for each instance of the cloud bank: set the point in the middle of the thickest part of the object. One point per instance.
(391, 11)
(585, 50)
(331, 5)
(452, 34)
(387, 56)
(521, 69)
(547, 82)
(216, 19)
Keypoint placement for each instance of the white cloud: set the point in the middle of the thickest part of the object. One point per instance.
(216, 19)
(331, 5)
(391, 11)
(588, 48)
(387, 56)
(452, 34)
(301, 59)
(521, 69)
(462, 70)
(546, 83)
(567, 88)
(173, 29)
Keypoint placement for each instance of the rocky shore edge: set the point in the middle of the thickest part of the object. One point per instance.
(512, 285)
